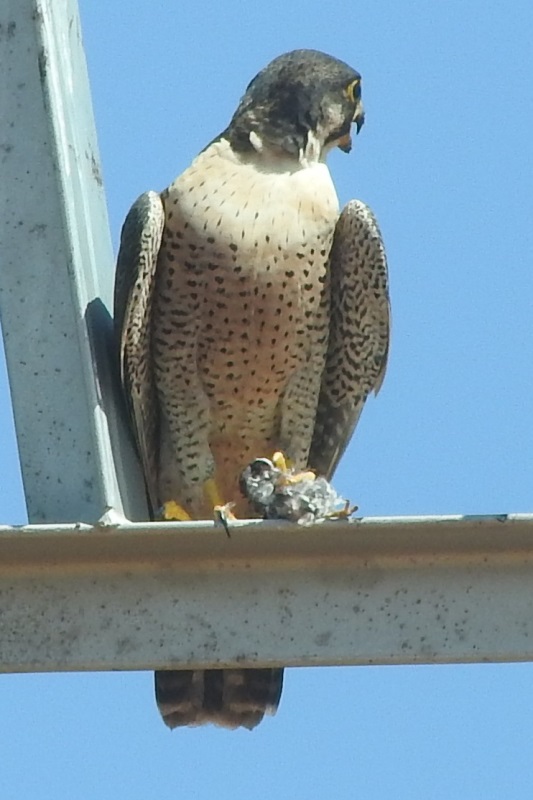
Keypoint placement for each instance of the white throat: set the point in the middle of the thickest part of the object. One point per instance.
(313, 153)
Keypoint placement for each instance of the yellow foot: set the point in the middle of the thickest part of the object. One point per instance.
(280, 462)
(284, 465)
(298, 477)
(212, 493)
(173, 512)
(221, 510)
(224, 515)
(344, 513)
(225, 511)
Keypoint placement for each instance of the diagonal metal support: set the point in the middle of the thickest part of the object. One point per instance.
(57, 273)
(373, 591)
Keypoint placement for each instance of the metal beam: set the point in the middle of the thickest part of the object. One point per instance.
(57, 273)
(372, 591)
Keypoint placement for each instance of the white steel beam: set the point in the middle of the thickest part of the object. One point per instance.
(373, 591)
(56, 273)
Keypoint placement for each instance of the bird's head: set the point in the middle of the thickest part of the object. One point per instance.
(302, 104)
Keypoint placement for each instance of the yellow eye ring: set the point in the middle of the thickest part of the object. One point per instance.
(353, 90)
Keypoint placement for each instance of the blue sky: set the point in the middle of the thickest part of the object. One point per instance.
(445, 160)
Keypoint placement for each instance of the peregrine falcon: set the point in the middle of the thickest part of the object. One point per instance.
(252, 316)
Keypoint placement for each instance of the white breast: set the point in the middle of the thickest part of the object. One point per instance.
(240, 200)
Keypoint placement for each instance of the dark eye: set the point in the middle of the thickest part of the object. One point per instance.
(353, 91)
(259, 467)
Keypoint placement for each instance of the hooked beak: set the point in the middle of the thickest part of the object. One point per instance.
(345, 143)
(359, 116)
